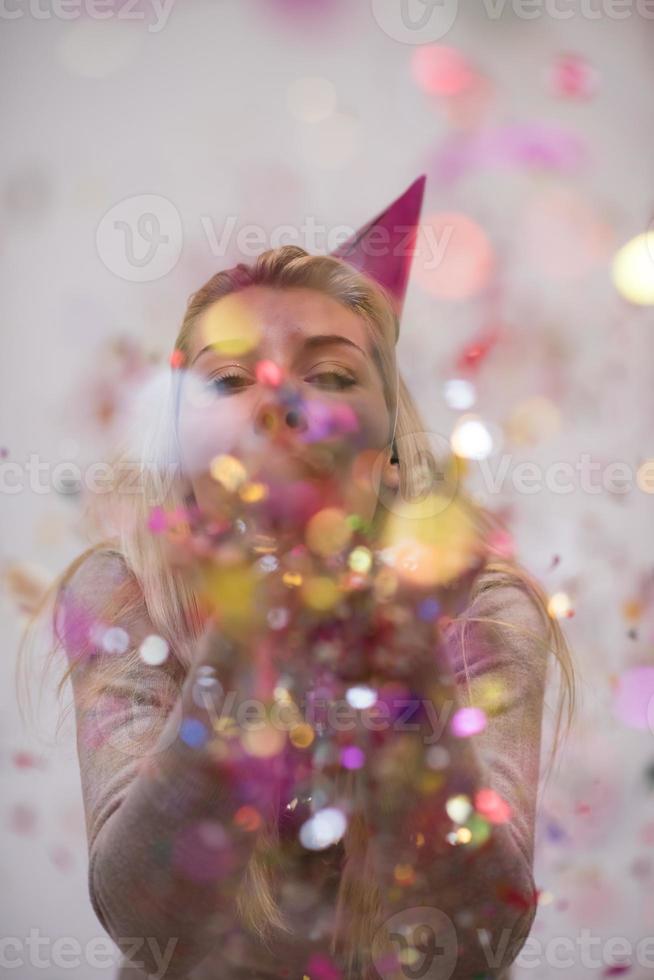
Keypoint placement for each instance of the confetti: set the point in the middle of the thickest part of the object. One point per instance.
(559, 605)
(352, 757)
(269, 373)
(633, 701)
(115, 640)
(468, 721)
(154, 650)
(633, 270)
(490, 805)
(572, 77)
(471, 439)
(328, 532)
(458, 808)
(323, 829)
(459, 394)
(361, 697)
(193, 733)
(454, 259)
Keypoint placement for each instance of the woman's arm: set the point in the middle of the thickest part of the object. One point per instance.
(497, 655)
(165, 857)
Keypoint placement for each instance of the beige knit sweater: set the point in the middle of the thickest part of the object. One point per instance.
(144, 787)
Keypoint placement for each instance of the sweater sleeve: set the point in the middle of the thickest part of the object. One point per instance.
(164, 855)
(496, 660)
(499, 652)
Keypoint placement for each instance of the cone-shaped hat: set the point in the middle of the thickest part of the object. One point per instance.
(384, 247)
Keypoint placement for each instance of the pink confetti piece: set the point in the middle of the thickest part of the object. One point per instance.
(528, 146)
(572, 77)
(27, 760)
(322, 967)
(62, 858)
(23, 820)
(633, 700)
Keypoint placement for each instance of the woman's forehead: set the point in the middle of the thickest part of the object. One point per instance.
(285, 316)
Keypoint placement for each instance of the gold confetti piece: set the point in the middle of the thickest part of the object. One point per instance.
(559, 605)
(404, 874)
(430, 541)
(320, 593)
(430, 782)
(489, 694)
(263, 742)
(253, 492)
(633, 269)
(360, 560)
(228, 471)
(632, 609)
(229, 327)
(27, 585)
(301, 736)
(328, 532)
(229, 591)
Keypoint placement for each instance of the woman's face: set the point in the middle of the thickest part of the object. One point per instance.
(286, 381)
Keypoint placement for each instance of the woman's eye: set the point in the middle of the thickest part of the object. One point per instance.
(225, 383)
(333, 380)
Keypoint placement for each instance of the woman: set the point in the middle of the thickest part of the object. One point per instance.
(218, 849)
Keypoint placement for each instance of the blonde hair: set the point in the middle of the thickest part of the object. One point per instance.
(173, 606)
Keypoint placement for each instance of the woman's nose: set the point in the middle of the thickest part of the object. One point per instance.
(280, 416)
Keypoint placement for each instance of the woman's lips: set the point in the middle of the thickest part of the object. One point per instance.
(298, 486)
(319, 462)
(282, 464)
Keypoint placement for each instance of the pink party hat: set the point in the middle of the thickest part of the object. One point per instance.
(383, 249)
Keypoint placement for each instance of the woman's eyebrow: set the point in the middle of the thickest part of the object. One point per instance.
(310, 343)
(323, 339)
(214, 349)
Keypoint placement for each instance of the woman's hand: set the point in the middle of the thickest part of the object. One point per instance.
(284, 617)
(406, 769)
